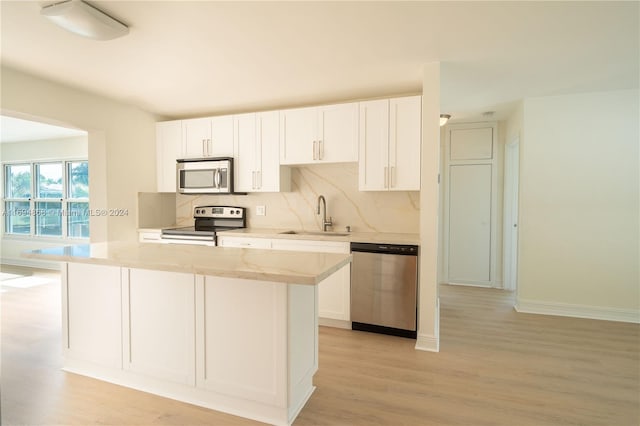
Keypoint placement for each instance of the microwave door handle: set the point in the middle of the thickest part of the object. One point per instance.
(216, 178)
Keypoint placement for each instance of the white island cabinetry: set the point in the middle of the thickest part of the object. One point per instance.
(228, 329)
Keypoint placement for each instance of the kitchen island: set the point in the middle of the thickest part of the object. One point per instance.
(234, 330)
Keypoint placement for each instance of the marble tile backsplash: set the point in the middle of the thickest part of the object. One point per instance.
(396, 212)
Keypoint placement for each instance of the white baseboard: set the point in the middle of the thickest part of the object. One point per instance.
(430, 342)
(577, 311)
(31, 263)
(330, 322)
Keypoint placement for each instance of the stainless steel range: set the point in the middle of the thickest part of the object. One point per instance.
(208, 220)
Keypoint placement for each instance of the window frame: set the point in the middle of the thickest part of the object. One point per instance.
(65, 201)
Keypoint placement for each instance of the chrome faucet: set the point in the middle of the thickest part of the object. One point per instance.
(325, 222)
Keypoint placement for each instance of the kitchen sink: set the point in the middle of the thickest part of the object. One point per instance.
(318, 233)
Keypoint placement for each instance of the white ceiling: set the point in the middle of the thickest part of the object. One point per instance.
(185, 59)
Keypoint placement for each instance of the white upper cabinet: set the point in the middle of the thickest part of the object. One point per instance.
(245, 148)
(257, 159)
(168, 149)
(324, 134)
(207, 137)
(270, 176)
(390, 138)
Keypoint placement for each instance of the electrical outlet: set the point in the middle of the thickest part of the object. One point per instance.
(261, 210)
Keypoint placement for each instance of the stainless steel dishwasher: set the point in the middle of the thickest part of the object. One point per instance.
(384, 288)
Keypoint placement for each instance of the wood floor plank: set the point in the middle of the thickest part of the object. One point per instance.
(496, 367)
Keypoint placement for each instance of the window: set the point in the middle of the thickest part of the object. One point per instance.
(47, 199)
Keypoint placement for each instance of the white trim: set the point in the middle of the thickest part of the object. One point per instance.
(427, 342)
(510, 214)
(330, 322)
(493, 162)
(577, 311)
(430, 342)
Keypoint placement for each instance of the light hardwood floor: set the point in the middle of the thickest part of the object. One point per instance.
(496, 367)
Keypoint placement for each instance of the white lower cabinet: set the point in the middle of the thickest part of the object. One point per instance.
(334, 293)
(91, 320)
(248, 359)
(159, 330)
(244, 347)
(150, 236)
(243, 242)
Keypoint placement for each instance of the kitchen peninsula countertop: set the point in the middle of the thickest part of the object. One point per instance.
(266, 265)
(359, 237)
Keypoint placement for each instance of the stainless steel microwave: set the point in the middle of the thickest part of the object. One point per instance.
(205, 176)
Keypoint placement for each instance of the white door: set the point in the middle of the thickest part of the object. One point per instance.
(267, 152)
(405, 131)
(221, 144)
(196, 136)
(470, 224)
(245, 160)
(374, 146)
(510, 244)
(337, 133)
(298, 141)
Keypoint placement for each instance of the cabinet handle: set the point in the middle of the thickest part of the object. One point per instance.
(314, 150)
(259, 176)
(209, 147)
(392, 177)
(253, 180)
(204, 147)
(386, 177)
(320, 150)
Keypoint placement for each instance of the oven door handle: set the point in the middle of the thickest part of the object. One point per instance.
(186, 238)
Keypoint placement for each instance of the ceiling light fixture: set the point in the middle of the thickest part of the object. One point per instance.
(444, 118)
(83, 19)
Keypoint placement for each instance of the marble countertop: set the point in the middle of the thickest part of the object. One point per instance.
(356, 237)
(265, 265)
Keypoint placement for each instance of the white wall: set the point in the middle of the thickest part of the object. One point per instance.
(579, 215)
(58, 149)
(121, 143)
(428, 304)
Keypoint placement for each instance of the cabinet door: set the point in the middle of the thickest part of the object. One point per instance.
(270, 177)
(373, 167)
(245, 160)
(196, 137)
(338, 133)
(237, 355)
(91, 306)
(244, 242)
(298, 141)
(221, 143)
(405, 133)
(159, 331)
(168, 149)
(334, 293)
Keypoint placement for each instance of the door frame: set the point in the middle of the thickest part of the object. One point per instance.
(510, 214)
